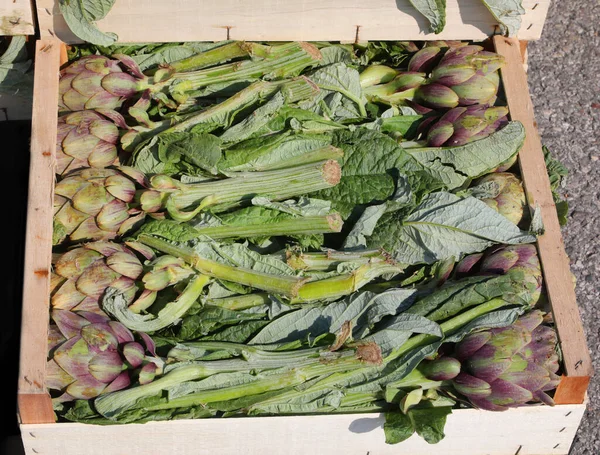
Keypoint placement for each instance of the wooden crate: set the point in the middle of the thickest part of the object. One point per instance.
(528, 430)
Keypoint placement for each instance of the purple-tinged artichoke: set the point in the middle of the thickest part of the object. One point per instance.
(81, 275)
(462, 125)
(443, 78)
(87, 139)
(94, 204)
(509, 366)
(503, 191)
(98, 355)
(500, 259)
(98, 82)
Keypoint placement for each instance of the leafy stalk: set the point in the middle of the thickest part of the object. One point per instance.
(284, 285)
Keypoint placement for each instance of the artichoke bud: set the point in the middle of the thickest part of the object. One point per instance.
(106, 366)
(133, 353)
(471, 386)
(439, 133)
(425, 59)
(151, 201)
(436, 96)
(510, 199)
(376, 74)
(441, 369)
(477, 90)
(147, 373)
(451, 75)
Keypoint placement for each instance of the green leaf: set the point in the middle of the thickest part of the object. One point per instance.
(398, 427)
(273, 152)
(81, 17)
(254, 121)
(16, 50)
(198, 149)
(429, 423)
(456, 166)
(508, 14)
(434, 11)
(341, 94)
(442, 226)
(15, 75)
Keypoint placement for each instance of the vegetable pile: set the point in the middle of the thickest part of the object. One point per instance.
(249, 229)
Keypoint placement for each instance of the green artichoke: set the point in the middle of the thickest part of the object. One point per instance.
(503, 191)
(509, 366)
(96, 355)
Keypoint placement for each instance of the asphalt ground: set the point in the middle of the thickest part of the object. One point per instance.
(564, 82)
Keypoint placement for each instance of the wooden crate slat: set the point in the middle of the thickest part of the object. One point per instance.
(539, 430)
(558, 279)
(38, 237)
(307, 20)
(17, 17)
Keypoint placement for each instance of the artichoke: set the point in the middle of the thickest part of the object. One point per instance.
(87, 139)
(462, 125)
(94, 204)
(81, 275)
(96, 355)
(503, 191)
(499, 259)
(98, 82)
(509, 366)
(442, 78)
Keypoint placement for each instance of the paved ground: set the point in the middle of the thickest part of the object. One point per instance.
(564, 69)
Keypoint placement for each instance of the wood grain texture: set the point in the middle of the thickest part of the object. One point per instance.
(35, 408)
(558, 278)
(38, 237)
(308, 20)
(538, 430)
(571, 389)
(16, 17)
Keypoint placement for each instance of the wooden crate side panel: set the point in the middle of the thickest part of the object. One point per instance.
(558, 279)
(307, 20)
(540, 430)
(38, 237)
(16, 17)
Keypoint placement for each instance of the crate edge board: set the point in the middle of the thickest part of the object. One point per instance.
(516, 430)
(38, 235)
(553, 257)
(17, 17)
(310, 20)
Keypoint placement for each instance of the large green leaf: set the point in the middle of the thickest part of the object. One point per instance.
(434, 11)
(508, 14)
(81, 17)
(443, 226)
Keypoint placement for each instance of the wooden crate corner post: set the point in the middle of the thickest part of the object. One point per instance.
(34, 403)
(577, 363)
